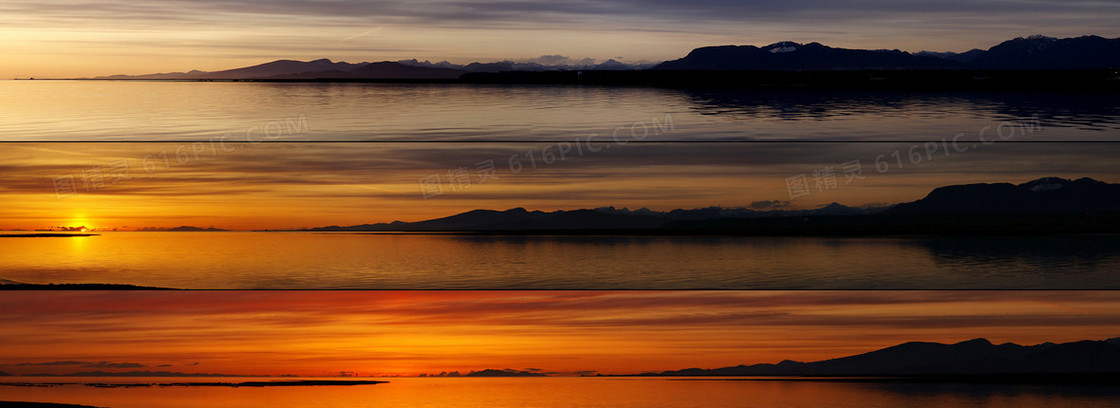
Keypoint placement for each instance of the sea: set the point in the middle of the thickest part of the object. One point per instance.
(549, 392)
(348, 260)
(254, 111)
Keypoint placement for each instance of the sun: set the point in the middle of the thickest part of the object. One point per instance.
(79, 222)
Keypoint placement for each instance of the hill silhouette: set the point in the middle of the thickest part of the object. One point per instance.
(310, 70)
(1037, 53)
(1029, 53)
(605, 218)
(789, 56)
(508, 372)
(1047, 205)
(972, 357)
(1042, 196)
(1041, 52)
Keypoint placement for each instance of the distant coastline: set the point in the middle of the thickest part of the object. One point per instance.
(281, 383)
(23, 404)
(1037, 62)
(48, 235)
(972, 361)
(9, 285)
(1087, 80)
(1044, 206)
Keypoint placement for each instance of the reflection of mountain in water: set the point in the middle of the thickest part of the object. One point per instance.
(1059, 253)
(1087, 111)
(997, 394)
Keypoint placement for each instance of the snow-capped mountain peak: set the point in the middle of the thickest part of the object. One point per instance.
(780, 47)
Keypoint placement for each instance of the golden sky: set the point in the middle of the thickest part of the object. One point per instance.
(78, 38)
(408, 333)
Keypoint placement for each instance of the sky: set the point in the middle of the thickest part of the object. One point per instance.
(246, 186)
(410, 333)
(78, 38)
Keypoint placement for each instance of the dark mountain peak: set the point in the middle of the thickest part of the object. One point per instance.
(1088, 181)
(322, 61)
(964, 57)
(781, 47)
(1049, 180)
(1038, 38)
(1033, 52)
(837, 209)
(1047, 195)
(1033, 44)
(508, 372)
(1042, 52)
(791, 56)
(908, 346)
(612, 64)
(973, 357)
(1045, 184)
(980, 341)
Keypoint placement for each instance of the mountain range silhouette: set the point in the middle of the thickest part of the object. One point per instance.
(1046, 205)
(1034, 52)
(1025, 53)
(972, 357)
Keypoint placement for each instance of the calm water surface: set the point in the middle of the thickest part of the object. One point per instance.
(139, 110)
(574, 392)
(305, 260)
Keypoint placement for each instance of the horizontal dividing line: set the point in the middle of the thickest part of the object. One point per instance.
(608, 141)
(506, 289)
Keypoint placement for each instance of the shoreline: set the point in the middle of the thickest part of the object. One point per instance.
(281, 383)
(25, 404)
